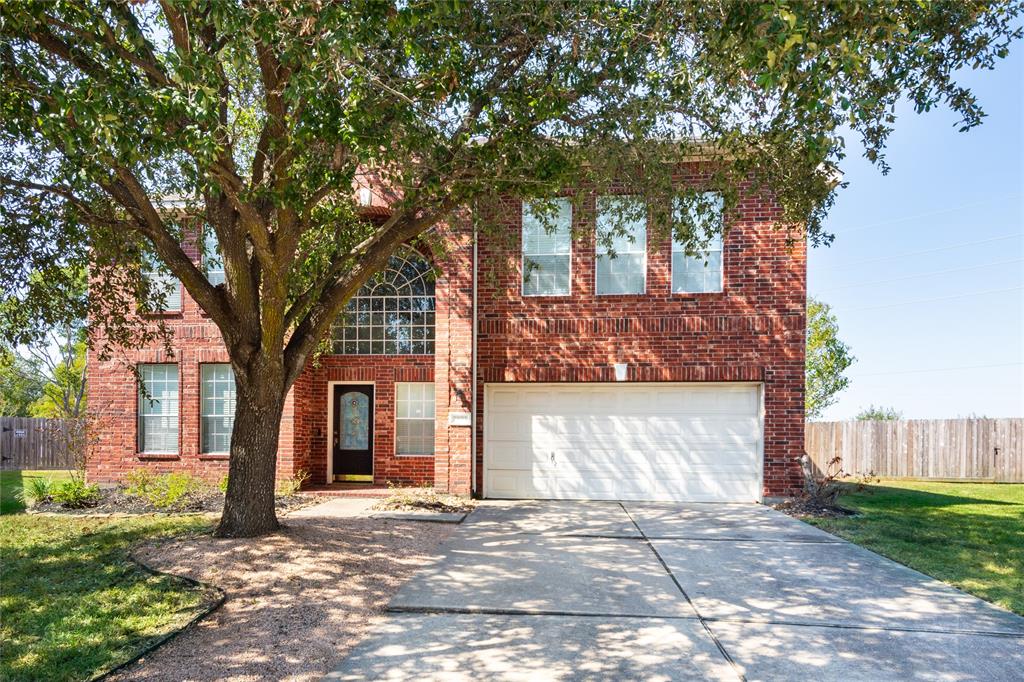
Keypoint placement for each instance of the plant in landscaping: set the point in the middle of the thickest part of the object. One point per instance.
(162, 491)
(290, 486)
(222, 484)
(75, 493)
(36, 491)
(822, 489)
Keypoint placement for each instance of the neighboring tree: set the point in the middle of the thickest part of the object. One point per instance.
(54, 353)
(827, 357)
(880, 413)
(130, 126)
(21, 384)
(64, 391)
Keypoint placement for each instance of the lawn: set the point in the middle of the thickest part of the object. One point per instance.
(73, 605)
(970, 535)
(11, 483)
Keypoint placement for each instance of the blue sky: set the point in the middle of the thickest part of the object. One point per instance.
(926, 274)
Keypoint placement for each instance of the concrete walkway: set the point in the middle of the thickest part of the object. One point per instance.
(602, 590)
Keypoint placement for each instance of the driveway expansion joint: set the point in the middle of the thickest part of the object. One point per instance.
(718, 644)
(874, 628)
(491, 611)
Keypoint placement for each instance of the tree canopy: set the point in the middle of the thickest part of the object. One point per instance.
(126, 126)
(879, 413)
(826, 360)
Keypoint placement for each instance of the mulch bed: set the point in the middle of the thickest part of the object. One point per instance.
(813, 508)
(115, 501)
(425, 500)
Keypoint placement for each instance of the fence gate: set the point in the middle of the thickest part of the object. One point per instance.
(30, 443)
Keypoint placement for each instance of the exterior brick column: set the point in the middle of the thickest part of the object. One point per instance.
(453, 361)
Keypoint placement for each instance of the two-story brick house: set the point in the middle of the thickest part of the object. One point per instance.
(531, 366)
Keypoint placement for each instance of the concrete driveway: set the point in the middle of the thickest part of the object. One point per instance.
(599, 590)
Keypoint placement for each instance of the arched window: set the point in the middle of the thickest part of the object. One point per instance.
(393, 314)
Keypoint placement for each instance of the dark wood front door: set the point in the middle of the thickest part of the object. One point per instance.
(353, 432)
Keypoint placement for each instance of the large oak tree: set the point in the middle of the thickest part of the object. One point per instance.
(129, 126)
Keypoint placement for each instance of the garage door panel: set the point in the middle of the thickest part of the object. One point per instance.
(623, 441)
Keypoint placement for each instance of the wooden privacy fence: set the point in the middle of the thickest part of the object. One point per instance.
(956, 449)
(29, 443)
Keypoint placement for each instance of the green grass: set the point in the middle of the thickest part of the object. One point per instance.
(970, 535)
(72, 604)
(11, 483)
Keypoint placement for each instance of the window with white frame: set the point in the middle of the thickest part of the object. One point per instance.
(547, 249)
(213, 261)
(414, 418)
(621, 264)
(393, 313)
(217, 408)
(697, 253)
(165, 289)
(158, 409)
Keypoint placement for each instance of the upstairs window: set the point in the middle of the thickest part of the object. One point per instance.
(158, 409)
(697, 248)
(213, 261)
(621, 266)
(393, 313)
(165, 288)
(547, 250)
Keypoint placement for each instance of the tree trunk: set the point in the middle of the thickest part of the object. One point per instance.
(249, 503)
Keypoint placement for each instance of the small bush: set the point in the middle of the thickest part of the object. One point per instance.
(290, 486)
(75, 494)
(822, 490)
(139, 482)
(36, 491)
(163, 491)
(222, 484)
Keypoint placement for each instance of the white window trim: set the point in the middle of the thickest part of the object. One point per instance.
(340, 331)
(426, 419)
(154, 273)
(140, 416)
(522, 254)
(721, 266)
(598, 254)
(209, 242)
(202, 415)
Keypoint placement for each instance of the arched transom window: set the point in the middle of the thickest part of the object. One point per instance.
(393, 313)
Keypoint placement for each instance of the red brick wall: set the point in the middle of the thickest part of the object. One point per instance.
(311, 399)
(113, 400)
(751, 331)
(304, 428)
(453, 360)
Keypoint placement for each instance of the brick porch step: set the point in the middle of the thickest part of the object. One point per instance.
(348, 490)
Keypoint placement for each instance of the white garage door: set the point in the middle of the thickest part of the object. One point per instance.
(671, 442)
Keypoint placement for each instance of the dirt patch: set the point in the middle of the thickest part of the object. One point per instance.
(813, 508)
(297, 601)
(424, 499)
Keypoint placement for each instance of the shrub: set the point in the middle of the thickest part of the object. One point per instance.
(75, 494)
(822, 490)
(139, 482)
(290, 486)
(163, 491)
(36, 491)
(222, 484)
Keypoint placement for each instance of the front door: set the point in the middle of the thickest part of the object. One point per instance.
(353, 433)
